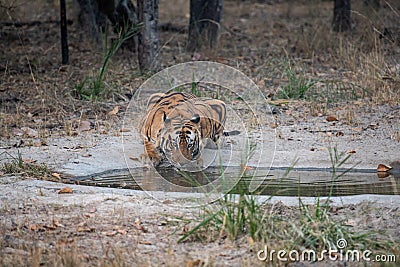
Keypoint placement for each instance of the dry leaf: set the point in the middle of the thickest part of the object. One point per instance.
(250, 241)
(167, 202)
(50, 227)
(195, 263)
(17, 132)
(114, 111)
(331, 118)
(383, 168)
(115, 232)
(76, 147)
(84, 229)
(65, 190)
(56, 175)
(29, 132)
(92, 210)
(81, 224)
(29, 160)
(245, 167)
(196, 56)
(122, 231)
(134, 158)
(37, 144)
(34, 227)
(221, 60)
(273, 125)
(84, 126)
(260, 83)
(124, 130)
(382, 175)
(110, 233)
(351, 152)
(139, 226)
(57, 223)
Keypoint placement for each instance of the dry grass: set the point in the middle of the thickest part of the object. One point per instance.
(256, 38)
(302, 33)
(112, 235)
(16, 165)
(352, 71)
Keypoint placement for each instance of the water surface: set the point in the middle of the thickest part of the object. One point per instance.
(274, 181)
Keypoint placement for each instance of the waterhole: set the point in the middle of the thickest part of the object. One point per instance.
(272, 181)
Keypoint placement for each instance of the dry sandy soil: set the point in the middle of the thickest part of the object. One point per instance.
(355, 77)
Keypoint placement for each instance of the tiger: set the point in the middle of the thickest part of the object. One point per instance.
(178, 125)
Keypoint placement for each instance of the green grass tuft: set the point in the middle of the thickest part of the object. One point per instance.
(93, 87)
(297, 85)
(17, 165)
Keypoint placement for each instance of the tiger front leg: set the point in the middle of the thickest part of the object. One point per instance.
(150, 154)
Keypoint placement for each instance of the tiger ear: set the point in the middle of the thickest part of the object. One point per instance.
(195, 118)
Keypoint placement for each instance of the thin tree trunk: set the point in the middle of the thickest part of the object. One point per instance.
(341, 16)
(93, 15)
(91, 18)
(64, 33)
(205, 16)
(148, 43)
(121, 13)
(123, 17)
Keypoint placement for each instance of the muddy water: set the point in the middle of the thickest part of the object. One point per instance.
(275, 181)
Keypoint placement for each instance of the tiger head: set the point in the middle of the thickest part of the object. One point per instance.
(181, 140)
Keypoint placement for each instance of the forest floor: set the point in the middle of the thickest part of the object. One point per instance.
(342, 88)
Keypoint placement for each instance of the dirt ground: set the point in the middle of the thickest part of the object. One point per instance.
(117, 227)
(356, 82)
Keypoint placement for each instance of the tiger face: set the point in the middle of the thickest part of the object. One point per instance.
(177, 125)
(181, 140)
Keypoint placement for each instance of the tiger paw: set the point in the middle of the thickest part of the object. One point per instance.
(147, 160)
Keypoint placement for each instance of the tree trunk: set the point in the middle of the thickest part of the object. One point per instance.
(121, 13)
(205, 16)
(341, 16)
(91, 18)
(64, 33)
(123, 17)
(148, 44)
